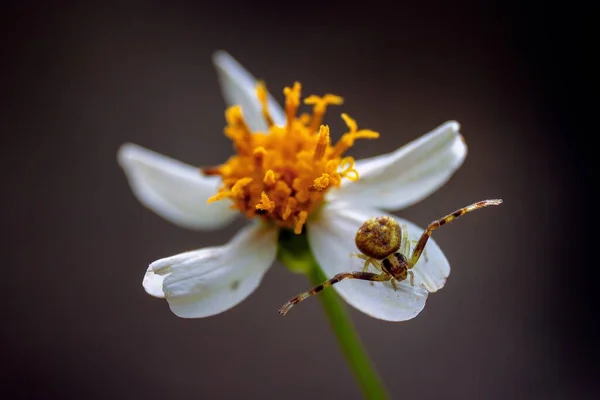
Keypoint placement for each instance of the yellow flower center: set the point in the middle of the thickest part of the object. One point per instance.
(283, 175)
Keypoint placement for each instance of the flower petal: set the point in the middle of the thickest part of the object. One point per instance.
(174, 190)
(396, 180)
(209, 281)
(239, 87)
(331, 238)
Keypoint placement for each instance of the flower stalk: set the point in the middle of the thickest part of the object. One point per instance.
(294, 252)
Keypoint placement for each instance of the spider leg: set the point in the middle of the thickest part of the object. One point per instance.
(366, 265)
(414, 242)
(363, 257)
(365, 276)
(405, 246)
(376, 264)
(420, 246)
(368, 261)
(406, 242)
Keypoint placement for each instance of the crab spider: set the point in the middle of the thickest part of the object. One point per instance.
(386, 246)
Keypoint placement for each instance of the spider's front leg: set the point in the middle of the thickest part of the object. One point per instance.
(420, 246)
(365, 276)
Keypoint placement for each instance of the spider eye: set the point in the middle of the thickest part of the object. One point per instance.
(378, 237)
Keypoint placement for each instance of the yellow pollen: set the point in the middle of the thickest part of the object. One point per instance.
(265, 203)
(321, 182)
(283, 175)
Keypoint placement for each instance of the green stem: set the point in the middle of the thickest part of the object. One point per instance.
(349, 341)
(294, 251)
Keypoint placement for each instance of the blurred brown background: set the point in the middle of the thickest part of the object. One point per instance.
(516, 318)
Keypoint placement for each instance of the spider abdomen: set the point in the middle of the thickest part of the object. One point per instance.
(378, 237)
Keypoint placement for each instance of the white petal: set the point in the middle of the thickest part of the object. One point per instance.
(331, 238)
(174, 190)
(209, 281)
(239, 87)
(159, 270)
(396, 180)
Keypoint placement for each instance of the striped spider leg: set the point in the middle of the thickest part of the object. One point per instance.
(383, 244)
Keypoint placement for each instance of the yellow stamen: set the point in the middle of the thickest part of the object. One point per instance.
(300, 222)
(320, 107)
(304, 118)
(237, 189)
(263, 95)
(301, 189)
(269, 178)
(289, 207)
(332, 168)
(320, 183)
(235, 192)
(347, 169)
(350, 123)
(283, 175)
(292, 101)
(265, 203)
(259, 155)
(282, 189)
(237, 130)
(347, 140)
(217, 197)
(322, 144)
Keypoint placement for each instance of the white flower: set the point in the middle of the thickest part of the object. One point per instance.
(211, 280)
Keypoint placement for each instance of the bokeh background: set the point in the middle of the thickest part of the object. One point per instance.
(517, 316)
